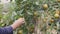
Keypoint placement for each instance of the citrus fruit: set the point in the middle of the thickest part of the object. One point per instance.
(56, 15)
(45, 6)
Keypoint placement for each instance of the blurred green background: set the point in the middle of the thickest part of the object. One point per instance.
(41, 16)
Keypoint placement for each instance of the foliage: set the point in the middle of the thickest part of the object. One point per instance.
(41, 16)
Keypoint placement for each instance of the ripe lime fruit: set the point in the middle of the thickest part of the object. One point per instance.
(35, 14)
(44, 20)
(56, 15)
(58, 0)
(57, 11)
(20, 31)
(51, 20)
(45, 6)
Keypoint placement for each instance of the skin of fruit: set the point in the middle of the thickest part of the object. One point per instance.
(56, 15)
(51, 20)
(2, 24)
(20, 32)
(45, 6)
(44, 20)
(57, 12)
(35, 13)
(58, 0)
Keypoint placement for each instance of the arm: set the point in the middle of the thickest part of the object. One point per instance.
(6, 30)
(9, 29)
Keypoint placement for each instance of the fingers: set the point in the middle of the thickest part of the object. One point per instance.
(21, 20)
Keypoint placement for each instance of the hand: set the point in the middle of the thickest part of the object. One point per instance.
(18, 23)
